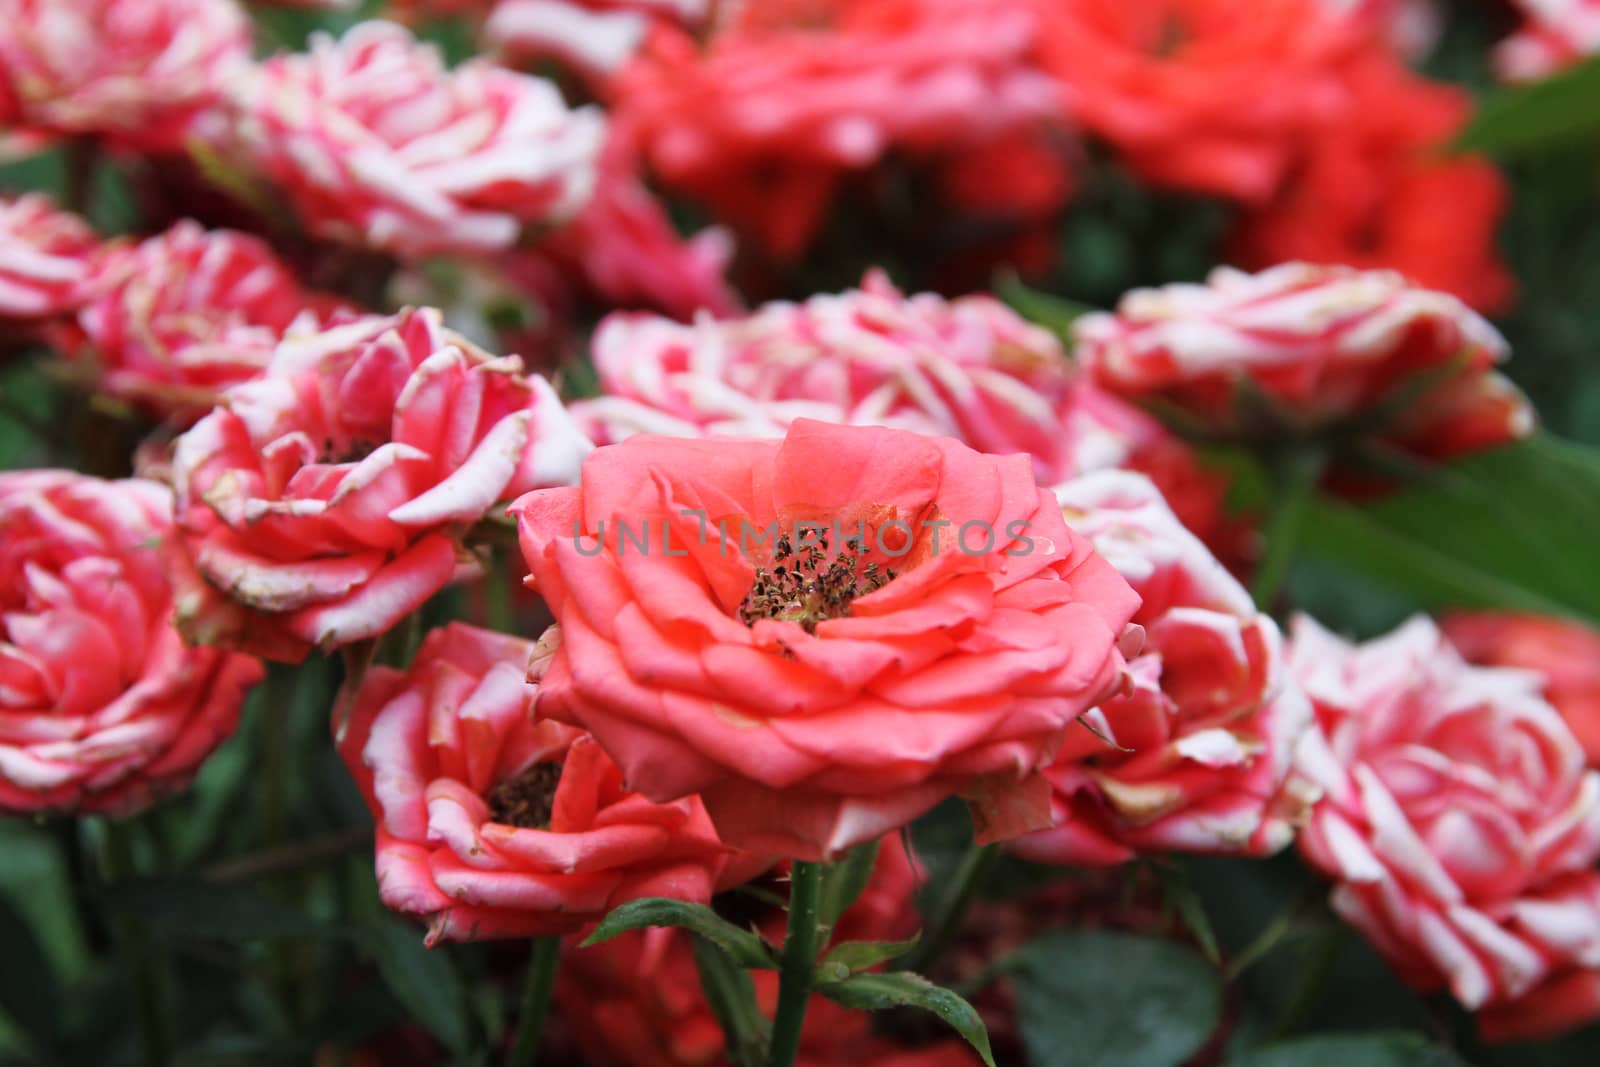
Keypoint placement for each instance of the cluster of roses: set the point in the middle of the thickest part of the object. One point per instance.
(1082, 669)
(1035, 609)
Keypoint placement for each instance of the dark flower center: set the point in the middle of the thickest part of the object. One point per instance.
(526, 800)
(807, 586)
(352, 451)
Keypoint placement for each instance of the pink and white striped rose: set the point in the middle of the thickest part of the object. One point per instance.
(46, 257)
(1458, 822)
(184, 315)
(1554, 34)
(597, 36)
(1316, 346)
(377, 143)
(968, 368)
(1198, 755)
(137, 71)
(103, 707)
(328, 498)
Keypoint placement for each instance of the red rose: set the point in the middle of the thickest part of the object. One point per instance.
(46, 257)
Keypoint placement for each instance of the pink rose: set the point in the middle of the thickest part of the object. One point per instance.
(1320, 345)
(968, 368)
(103, 708)
(1458, 823)
(1554, 34)
(377, 143)
(494, 823)
(1197, 758)
(186, 314)
(46, 256)
(138, 71)
(947, 633)
(328, 498)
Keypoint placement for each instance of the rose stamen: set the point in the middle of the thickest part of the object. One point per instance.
(807, 587)
(527, 800)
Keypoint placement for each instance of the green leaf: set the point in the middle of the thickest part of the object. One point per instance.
(186, 907)
(902, 989)
(742, 946)
(1353, 1050)
(1106, 999)
(1510, 529)
(843, 882)
(1558, 110)
(1054, 313)
(732, 996)
(28, 988)
(423, 980)
(852, 957)
(1179, 895)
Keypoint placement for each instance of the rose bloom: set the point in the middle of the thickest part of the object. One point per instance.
(377, 143)
(596, 36)
(1197, 757)
(185, 314)
(328, 498)
(1565, 655)
(1554, 34)
(103, 708)
(46, 257)
(137, 71)
(1207, 96)
(494, 823)
(969, 368)
(789, 101)
(1411, 27)
(1320, 346)
(820, 696)
(1376, 190)
(636, 1001)
(622, 250)
(1458, 823)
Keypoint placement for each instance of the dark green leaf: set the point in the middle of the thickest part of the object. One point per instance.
(1511, 528)
(843, 882)
(742, 946)
(1054, 313)
(423, 980)
(1180, 896)
(852, 957)
(209, 910)
(28, 988)
(1354, 1050)
(902, 989)
(1104, 999)
(732, 996)
(1555, 111)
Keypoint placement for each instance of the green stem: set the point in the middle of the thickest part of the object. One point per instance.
(146, 974)
(798, 963)
(1313, 979)
(535, 1001)
(951, 910)
(1294, 486)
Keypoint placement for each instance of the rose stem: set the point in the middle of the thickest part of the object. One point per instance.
(976, 864)
(535, 1001)
(796, 966)
(1293, 486)
(146, 971)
